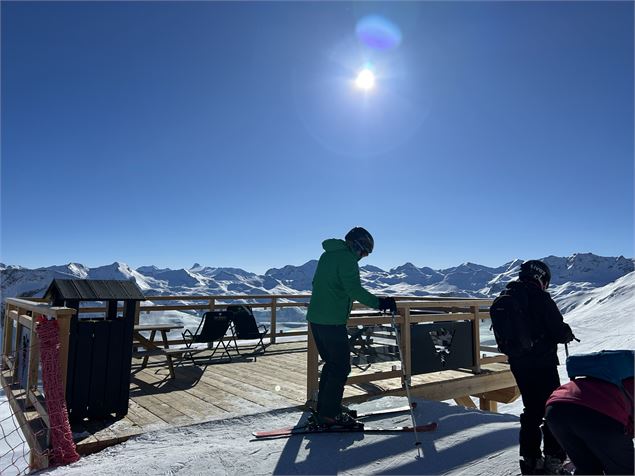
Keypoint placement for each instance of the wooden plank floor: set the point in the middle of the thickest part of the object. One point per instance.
(200, 394)
(246, 386)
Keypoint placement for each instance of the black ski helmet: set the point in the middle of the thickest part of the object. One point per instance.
(536, 270)
(360, 241)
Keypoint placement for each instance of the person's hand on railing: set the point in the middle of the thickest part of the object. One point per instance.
(387, 304)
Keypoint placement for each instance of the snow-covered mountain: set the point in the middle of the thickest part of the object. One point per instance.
(572, 276)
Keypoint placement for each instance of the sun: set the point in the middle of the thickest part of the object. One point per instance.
(365, 80)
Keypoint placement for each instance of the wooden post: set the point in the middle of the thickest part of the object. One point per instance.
(272, 330)
(465, 401)
(488, 405)
(476, 334)
(406, 342)
(212, 304)
(312, 364)
(8, 333)
(137, 313)
(64, 325)
(34, 361)
(16, 344)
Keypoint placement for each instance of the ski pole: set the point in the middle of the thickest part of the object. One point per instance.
(566, 346)
(405, 381)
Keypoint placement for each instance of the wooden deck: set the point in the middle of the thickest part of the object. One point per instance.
(246, 386)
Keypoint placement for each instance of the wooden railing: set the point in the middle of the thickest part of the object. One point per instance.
(21, 367)
(446, 310)
(273, 302)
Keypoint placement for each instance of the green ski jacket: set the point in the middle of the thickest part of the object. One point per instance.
(336, 285)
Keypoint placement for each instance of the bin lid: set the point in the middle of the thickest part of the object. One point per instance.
(94, 290)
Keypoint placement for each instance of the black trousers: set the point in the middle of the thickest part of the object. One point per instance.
(595, 443)
(332, 344)
(535, 385)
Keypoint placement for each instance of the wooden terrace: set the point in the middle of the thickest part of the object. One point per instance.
(285, 376)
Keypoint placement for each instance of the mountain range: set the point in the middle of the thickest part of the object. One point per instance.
(571, 275)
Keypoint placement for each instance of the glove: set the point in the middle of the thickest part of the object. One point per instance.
(567, 334)
(387, 304)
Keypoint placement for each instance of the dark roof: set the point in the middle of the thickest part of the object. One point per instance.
(94, 290)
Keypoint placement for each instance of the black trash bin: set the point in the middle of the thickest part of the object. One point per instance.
(100, 345)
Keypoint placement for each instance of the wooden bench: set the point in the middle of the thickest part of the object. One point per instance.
(150, 345)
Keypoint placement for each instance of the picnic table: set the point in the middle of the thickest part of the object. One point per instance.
(151, 346)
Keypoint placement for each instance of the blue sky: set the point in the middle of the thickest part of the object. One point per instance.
(231, 134)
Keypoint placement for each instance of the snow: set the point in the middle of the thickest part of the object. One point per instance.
(467, 441)
(227, 447)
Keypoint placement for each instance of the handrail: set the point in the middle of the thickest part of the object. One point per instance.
(225, 296)
(275, 301)
(449, 310)
(40, 308)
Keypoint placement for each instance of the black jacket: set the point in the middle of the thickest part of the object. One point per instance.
(547, 326)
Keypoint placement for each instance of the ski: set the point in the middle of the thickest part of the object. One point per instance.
(305, 430)
(384, 411)
(287, 431)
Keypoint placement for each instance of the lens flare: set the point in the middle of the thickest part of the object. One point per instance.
(365, 80)
(378, 32)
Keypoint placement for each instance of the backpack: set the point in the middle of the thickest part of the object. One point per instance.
(609, 365)
(511, 322)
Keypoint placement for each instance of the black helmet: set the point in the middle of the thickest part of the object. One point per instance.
(360, 241)
(536, 270)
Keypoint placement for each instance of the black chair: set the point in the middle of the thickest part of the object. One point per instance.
(212, 329)
(244, 327)
(360, 341)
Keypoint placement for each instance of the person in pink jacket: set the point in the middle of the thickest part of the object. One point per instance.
(593, 421)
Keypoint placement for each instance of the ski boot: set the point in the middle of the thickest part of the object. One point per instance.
(554, 465)
(532, 465)
(343, 420)
(350, 412)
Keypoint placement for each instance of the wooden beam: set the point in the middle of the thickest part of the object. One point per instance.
(37, 400)
(476, 354)
(38, 454)
(472, 384)
(502, 395)
(406, 345)
(465, 401)
(41, 308)
(457, 316)
(272, 328)
(459, 387)
(371, 377)
(26, 321)
(445, 303)
(493, 359)
(34, 361)
(233, 297)
(7, 330)
(488, 405)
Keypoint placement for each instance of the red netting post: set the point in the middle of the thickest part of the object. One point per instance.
(63, 449)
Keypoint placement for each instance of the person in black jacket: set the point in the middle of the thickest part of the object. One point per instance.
(536, 371)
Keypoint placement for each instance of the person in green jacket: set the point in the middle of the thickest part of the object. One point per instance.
(336, 285)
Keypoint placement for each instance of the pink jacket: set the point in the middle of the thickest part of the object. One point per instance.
(600, 396)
